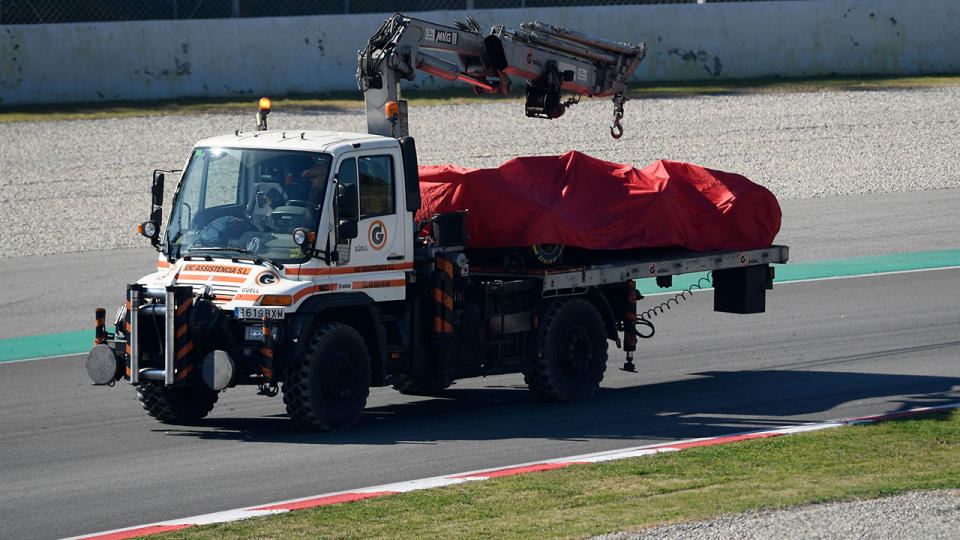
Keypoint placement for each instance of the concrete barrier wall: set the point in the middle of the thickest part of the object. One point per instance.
(275, 56)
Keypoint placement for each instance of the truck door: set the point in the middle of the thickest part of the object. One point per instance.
(378, 258)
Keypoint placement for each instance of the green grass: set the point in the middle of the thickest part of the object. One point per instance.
(863, 461)
(354, 100)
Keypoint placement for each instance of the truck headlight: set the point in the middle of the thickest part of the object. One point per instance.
(302, 236)
(148, 229)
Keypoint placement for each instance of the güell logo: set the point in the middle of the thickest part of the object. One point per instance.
(377, 235)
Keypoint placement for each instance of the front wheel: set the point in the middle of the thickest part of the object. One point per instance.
(329, 385)
(570, 352)
(176, 405)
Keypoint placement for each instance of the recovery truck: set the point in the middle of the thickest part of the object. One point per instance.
(291, 260)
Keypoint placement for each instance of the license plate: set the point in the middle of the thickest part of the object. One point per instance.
(258, 312)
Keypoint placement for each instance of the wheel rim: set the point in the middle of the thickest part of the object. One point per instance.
(548, 253)
(338, 378)
(575, 352)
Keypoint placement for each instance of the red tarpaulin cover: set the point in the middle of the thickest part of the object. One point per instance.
(581, 201)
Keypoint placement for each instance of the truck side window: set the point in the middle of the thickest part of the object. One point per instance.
(376, 186)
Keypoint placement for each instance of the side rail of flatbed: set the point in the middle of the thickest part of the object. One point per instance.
(660, 266)
(739, 278)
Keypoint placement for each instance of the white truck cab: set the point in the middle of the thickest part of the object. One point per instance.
(241, 197)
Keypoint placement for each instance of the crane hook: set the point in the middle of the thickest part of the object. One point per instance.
(616, 130)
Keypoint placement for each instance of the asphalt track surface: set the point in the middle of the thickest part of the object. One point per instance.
(78, 458)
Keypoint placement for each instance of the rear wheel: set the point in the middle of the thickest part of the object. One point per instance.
(329, 385)
(570, 353)
(176, 405)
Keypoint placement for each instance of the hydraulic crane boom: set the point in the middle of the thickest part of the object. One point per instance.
(549, 58)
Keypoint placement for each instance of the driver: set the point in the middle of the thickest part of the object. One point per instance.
(317, 176)
(264, 203)
(307, 184)
(272, 199)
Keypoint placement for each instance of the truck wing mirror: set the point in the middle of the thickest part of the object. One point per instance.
(157, 190)
(151, 228)
(347, 203)
(347, 229)
(347, 210)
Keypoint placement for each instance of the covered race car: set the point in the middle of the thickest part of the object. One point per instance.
(577, 200)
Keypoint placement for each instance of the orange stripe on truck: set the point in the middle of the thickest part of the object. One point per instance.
(186, 371)
(442, 298)
(184, 306)
(186, 349)
(441, 326)
(251, 297)
(313, 289)
(379, 283)
(445, 265)
(211, 277)
(346, 269)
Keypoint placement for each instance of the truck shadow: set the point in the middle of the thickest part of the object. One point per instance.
(708, 404)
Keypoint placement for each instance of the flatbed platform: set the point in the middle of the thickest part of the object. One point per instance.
(651, 263)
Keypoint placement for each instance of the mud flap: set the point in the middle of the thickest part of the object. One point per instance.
(742, 290)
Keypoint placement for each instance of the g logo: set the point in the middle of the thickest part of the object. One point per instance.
(377, 235)
(267, 278)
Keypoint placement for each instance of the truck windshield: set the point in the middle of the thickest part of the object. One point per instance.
(246, 201)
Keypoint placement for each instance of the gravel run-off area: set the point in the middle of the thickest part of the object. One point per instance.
(929, 516)
(81, 185)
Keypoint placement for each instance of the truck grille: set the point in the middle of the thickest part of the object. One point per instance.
(223, 292)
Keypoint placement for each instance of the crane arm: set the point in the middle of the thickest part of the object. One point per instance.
(550, 58)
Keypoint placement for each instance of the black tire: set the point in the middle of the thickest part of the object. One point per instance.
(182, 406)
(329, 385)
(417, 387)
(570, 352)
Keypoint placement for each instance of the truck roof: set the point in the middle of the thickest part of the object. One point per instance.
(307, 141)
